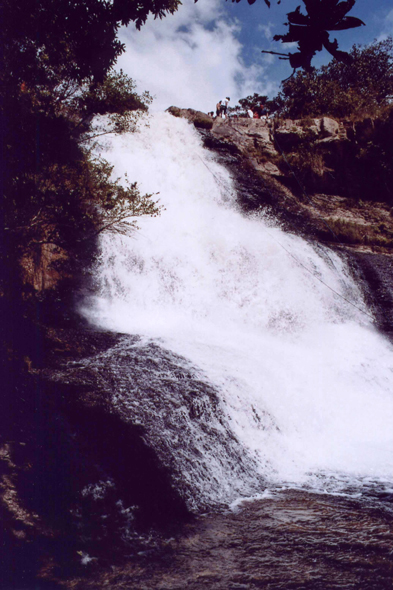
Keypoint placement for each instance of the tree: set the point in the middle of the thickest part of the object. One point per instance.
(254, 102)
(78, 37)
(58, 96)
(365, 85)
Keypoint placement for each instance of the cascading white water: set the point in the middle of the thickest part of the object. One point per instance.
(305, 381)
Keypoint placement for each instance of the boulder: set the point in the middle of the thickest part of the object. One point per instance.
(252, 137)
(199, 119)
(329, 127)
(287, 138)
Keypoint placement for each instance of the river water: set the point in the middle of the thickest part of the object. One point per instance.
(263, 379)
(287, 539)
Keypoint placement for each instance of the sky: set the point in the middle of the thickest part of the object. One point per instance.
(212, 49)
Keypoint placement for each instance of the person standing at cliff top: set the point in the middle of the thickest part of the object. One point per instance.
(224, 106)
(218, 108)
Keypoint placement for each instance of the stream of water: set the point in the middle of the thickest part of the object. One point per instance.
(304, 379)
(275, 326)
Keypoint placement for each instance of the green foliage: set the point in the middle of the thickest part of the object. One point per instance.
(78, 37)
(114, 104)
(365, 85)
(58, 96)
(255, 102)
(49, 137)
(72, 203)
(137, 11)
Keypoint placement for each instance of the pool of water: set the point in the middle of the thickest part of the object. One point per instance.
(288, 539)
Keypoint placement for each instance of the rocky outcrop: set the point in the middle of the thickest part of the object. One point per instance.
(252, 138)
(199, 119)
(315, 173)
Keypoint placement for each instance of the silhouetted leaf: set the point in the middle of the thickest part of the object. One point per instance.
(297, 60)
(297, 18)
(310, 31)
(342, 8)
(348, 22)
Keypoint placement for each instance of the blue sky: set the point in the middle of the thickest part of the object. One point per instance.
(212, 49)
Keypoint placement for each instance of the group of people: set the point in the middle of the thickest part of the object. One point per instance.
(222, 107)
(260, 113)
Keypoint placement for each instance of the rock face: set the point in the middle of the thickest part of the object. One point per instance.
(319, 168)
(76, 478)
(252, 138)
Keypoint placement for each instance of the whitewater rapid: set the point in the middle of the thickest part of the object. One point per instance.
(305, 380)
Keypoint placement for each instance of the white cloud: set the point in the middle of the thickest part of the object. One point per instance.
(191, 59)
(387, 28)
(389, 18)
(382, 23)
(267, 30)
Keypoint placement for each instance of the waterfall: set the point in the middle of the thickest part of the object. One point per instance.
(274, 325)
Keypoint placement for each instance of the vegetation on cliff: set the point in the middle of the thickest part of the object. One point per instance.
(359, 88)
(355, 89)
(360, 95)
(332, 128)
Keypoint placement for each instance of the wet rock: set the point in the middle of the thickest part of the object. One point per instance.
(151, 395)
(376, 272)
(251, 136)
(76, 479)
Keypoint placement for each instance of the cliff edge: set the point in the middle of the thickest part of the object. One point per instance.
(319, 168)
